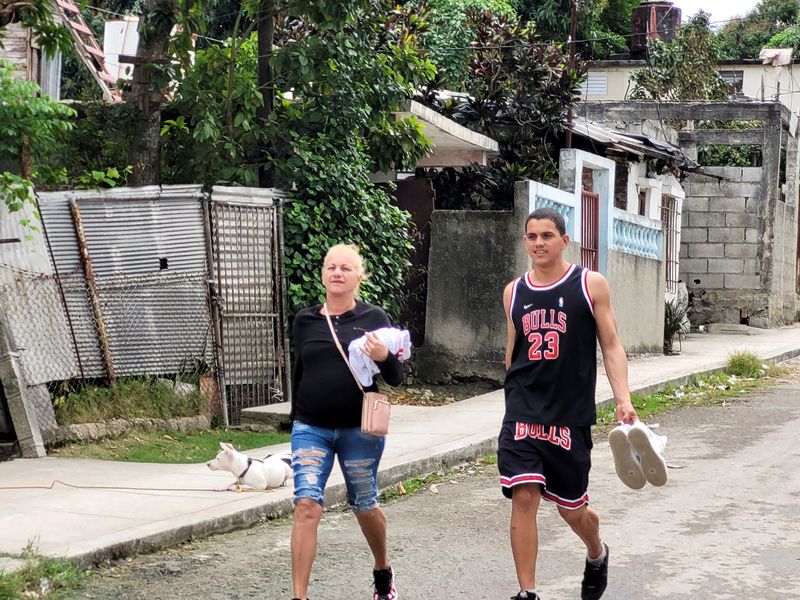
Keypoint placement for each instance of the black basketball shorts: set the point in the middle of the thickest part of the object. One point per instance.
(557, 458)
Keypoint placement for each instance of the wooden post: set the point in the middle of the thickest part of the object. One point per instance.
(88, 270)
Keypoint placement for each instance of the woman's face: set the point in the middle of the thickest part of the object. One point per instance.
(341, 273)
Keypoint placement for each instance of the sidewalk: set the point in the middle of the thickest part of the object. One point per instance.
(167, 504)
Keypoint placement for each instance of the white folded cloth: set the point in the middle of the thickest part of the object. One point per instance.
(397, 341)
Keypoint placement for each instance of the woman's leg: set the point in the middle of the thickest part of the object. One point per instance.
(312, 461)
(359, 457)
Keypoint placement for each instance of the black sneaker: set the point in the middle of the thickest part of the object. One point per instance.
(523, 595)
(595, 579)
(384, 585)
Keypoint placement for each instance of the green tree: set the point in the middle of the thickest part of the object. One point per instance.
(340, 72)
(683, 70)
(603, 25)
(788, 38)
(520, 90)
(449, 36)
(29, 126)
(744, 38)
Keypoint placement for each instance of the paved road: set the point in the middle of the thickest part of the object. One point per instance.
(725, 526)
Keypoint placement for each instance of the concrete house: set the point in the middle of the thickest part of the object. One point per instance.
(739, 237)
(615, 209)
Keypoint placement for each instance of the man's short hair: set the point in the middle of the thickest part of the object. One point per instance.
(541, 214)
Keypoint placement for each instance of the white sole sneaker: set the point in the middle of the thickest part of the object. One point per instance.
(650, 448)
(625, 462)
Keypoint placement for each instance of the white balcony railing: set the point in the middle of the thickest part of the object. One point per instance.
(638, 235)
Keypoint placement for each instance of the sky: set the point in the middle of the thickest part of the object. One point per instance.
(720, 10)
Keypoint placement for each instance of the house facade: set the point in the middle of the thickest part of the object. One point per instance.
(746, 79)
(614, 214)
(739, 232)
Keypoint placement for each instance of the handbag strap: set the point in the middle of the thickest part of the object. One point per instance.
(339, 347)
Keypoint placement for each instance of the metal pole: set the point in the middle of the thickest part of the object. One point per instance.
(102, 333)
(282, 302)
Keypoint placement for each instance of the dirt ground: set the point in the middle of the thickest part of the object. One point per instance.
(422, 394)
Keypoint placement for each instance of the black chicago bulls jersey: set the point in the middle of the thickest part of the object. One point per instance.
(551, 379)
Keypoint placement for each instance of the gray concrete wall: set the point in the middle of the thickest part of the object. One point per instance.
(737, 249)
(474, 254)
(722, 247)
(637, 295)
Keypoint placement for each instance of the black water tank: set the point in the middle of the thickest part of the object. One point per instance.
(654, 18)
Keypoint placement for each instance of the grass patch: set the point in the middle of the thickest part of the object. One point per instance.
(701, 390)
(132, 398)
(40, 577)
(746, 364)
(169, 447)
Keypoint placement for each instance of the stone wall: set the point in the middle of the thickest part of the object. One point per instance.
(737, 251)
(720, 249)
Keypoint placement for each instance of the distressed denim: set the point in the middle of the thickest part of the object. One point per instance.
(313, 451)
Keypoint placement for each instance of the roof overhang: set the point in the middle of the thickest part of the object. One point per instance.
(453, 145)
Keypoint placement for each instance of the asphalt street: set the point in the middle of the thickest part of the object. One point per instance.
(724, 526)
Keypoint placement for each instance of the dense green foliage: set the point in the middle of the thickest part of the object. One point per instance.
(340, 72)
(788, 38)
(29, 126)
(683, 70)
(48, 32)
(519, 92)
(449, 36)
(603, 26)
(131, 398)
(744, 38)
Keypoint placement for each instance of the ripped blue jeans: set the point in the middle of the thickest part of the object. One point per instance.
(313, 450)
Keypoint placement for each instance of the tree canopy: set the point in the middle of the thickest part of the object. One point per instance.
(744, 38)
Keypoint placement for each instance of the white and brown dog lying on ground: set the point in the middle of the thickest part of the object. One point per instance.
(273, 471)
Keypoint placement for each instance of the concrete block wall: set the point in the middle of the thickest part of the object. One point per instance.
(729, 258)
(783, 296)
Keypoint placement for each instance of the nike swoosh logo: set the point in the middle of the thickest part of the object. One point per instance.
(527, 306)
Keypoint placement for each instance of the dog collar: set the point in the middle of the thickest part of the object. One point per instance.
(246, 469)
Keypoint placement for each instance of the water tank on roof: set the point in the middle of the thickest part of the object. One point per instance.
(654, 19)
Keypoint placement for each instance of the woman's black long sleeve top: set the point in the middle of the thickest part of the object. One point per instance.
(323, 389)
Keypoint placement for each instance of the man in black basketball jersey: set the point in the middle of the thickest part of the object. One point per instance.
(556, 313)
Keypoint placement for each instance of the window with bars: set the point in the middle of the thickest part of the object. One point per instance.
(670, 217)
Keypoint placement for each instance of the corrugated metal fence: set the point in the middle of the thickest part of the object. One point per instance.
(119, 286)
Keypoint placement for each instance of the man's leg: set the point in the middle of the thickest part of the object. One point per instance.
(586, 524)
(307, 515)
(525, 532)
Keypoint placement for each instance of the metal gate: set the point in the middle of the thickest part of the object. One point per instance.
(248, 305)
(590, 229)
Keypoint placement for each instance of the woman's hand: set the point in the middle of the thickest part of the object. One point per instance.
(375, 348)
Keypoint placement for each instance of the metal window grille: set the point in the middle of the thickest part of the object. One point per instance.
(643, 202)
(670, 217)
(590, 229)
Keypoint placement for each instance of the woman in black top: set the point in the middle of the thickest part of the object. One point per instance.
(326, 417)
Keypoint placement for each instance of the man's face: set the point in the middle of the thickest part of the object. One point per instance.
(543, 243)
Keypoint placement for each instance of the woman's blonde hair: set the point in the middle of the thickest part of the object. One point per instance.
(356, 252)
